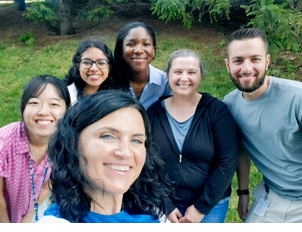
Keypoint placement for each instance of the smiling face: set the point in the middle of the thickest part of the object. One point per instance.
(184, 75)
(138, 49)
(93, 76)
(247, 64)
(114, 147)
(42, 113)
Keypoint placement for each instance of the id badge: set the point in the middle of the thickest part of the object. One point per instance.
(261, 207)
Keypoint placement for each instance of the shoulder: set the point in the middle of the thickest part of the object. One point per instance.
(286, 84)
(210, 101)
(231, 97)
(11, 129)
(72, 87)
(157, 75)
(156, 106)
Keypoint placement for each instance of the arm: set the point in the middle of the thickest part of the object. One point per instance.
(3, 207)
(225, 139)
(27, 218)
(243, 171)
(192, 215)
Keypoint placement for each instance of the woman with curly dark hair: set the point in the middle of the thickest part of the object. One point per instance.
(104, 166)
(92, 70)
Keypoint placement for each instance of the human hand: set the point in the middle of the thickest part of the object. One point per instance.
(174, 216)
(242, 208)
(192, 215)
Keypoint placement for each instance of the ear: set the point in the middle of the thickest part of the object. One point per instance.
(268, 58)
(226, 62)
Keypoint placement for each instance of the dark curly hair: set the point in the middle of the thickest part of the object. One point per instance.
(146, 195)
(73, 75)
(122, 68)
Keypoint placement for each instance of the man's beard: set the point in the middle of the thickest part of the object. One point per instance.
(249, 89)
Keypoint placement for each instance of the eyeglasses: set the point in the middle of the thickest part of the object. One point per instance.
(101, 63)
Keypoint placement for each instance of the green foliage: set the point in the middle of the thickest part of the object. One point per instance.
(27, 38)
(92, 14)
(42, 12)
(48, 12)
(281, 24)
(183, 9)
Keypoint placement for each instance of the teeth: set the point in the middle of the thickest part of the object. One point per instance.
(43, 122)
(183, 85)
(118, 168)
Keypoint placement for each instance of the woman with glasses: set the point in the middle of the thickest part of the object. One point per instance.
(134, 51)
(92, 70)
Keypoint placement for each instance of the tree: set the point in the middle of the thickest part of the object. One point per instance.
(281, 20)
(58, 13)
(20, 4)
(184, 9)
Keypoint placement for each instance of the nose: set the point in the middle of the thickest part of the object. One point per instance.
(123, 150)
(138, 49)
(94, 67)
(44, 110)
(246, 67)
(184, 76)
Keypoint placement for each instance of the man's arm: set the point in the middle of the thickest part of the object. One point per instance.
(3, 207)
(243, 171)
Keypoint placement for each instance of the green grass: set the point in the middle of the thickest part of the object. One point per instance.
(20, 62)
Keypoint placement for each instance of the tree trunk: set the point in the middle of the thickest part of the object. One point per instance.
(66, 26)
(20, 4)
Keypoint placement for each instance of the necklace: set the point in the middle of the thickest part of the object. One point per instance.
(140, 87)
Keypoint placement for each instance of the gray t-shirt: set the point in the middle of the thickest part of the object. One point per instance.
(271, 130)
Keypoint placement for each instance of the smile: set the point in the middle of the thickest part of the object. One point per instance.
(43, 122)
(118, 168)
(183, 85)
(138, 58)
(94, 76)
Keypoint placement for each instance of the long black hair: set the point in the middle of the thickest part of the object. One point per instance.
(147, 193)
(73, 75)
(122, 68)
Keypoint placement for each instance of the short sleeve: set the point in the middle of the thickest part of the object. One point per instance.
(3, 158)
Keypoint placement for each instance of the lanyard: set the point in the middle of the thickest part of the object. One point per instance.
(35, 200)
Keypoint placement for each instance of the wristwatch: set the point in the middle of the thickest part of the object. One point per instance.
(242, 192)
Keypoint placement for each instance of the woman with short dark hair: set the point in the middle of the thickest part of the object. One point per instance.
(24, 163)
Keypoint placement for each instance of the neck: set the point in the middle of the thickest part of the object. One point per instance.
(88, 90)
(105, 204)
(37, 149)
(182, 102)
(140, 77)
(182, 108)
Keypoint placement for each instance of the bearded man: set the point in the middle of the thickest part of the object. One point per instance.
(268, 111)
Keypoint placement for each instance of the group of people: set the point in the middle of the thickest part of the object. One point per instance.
(122, 141)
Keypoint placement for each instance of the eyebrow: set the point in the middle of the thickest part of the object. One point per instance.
(145, 39)
(115, 130)
(53, 98)
(238, 57)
